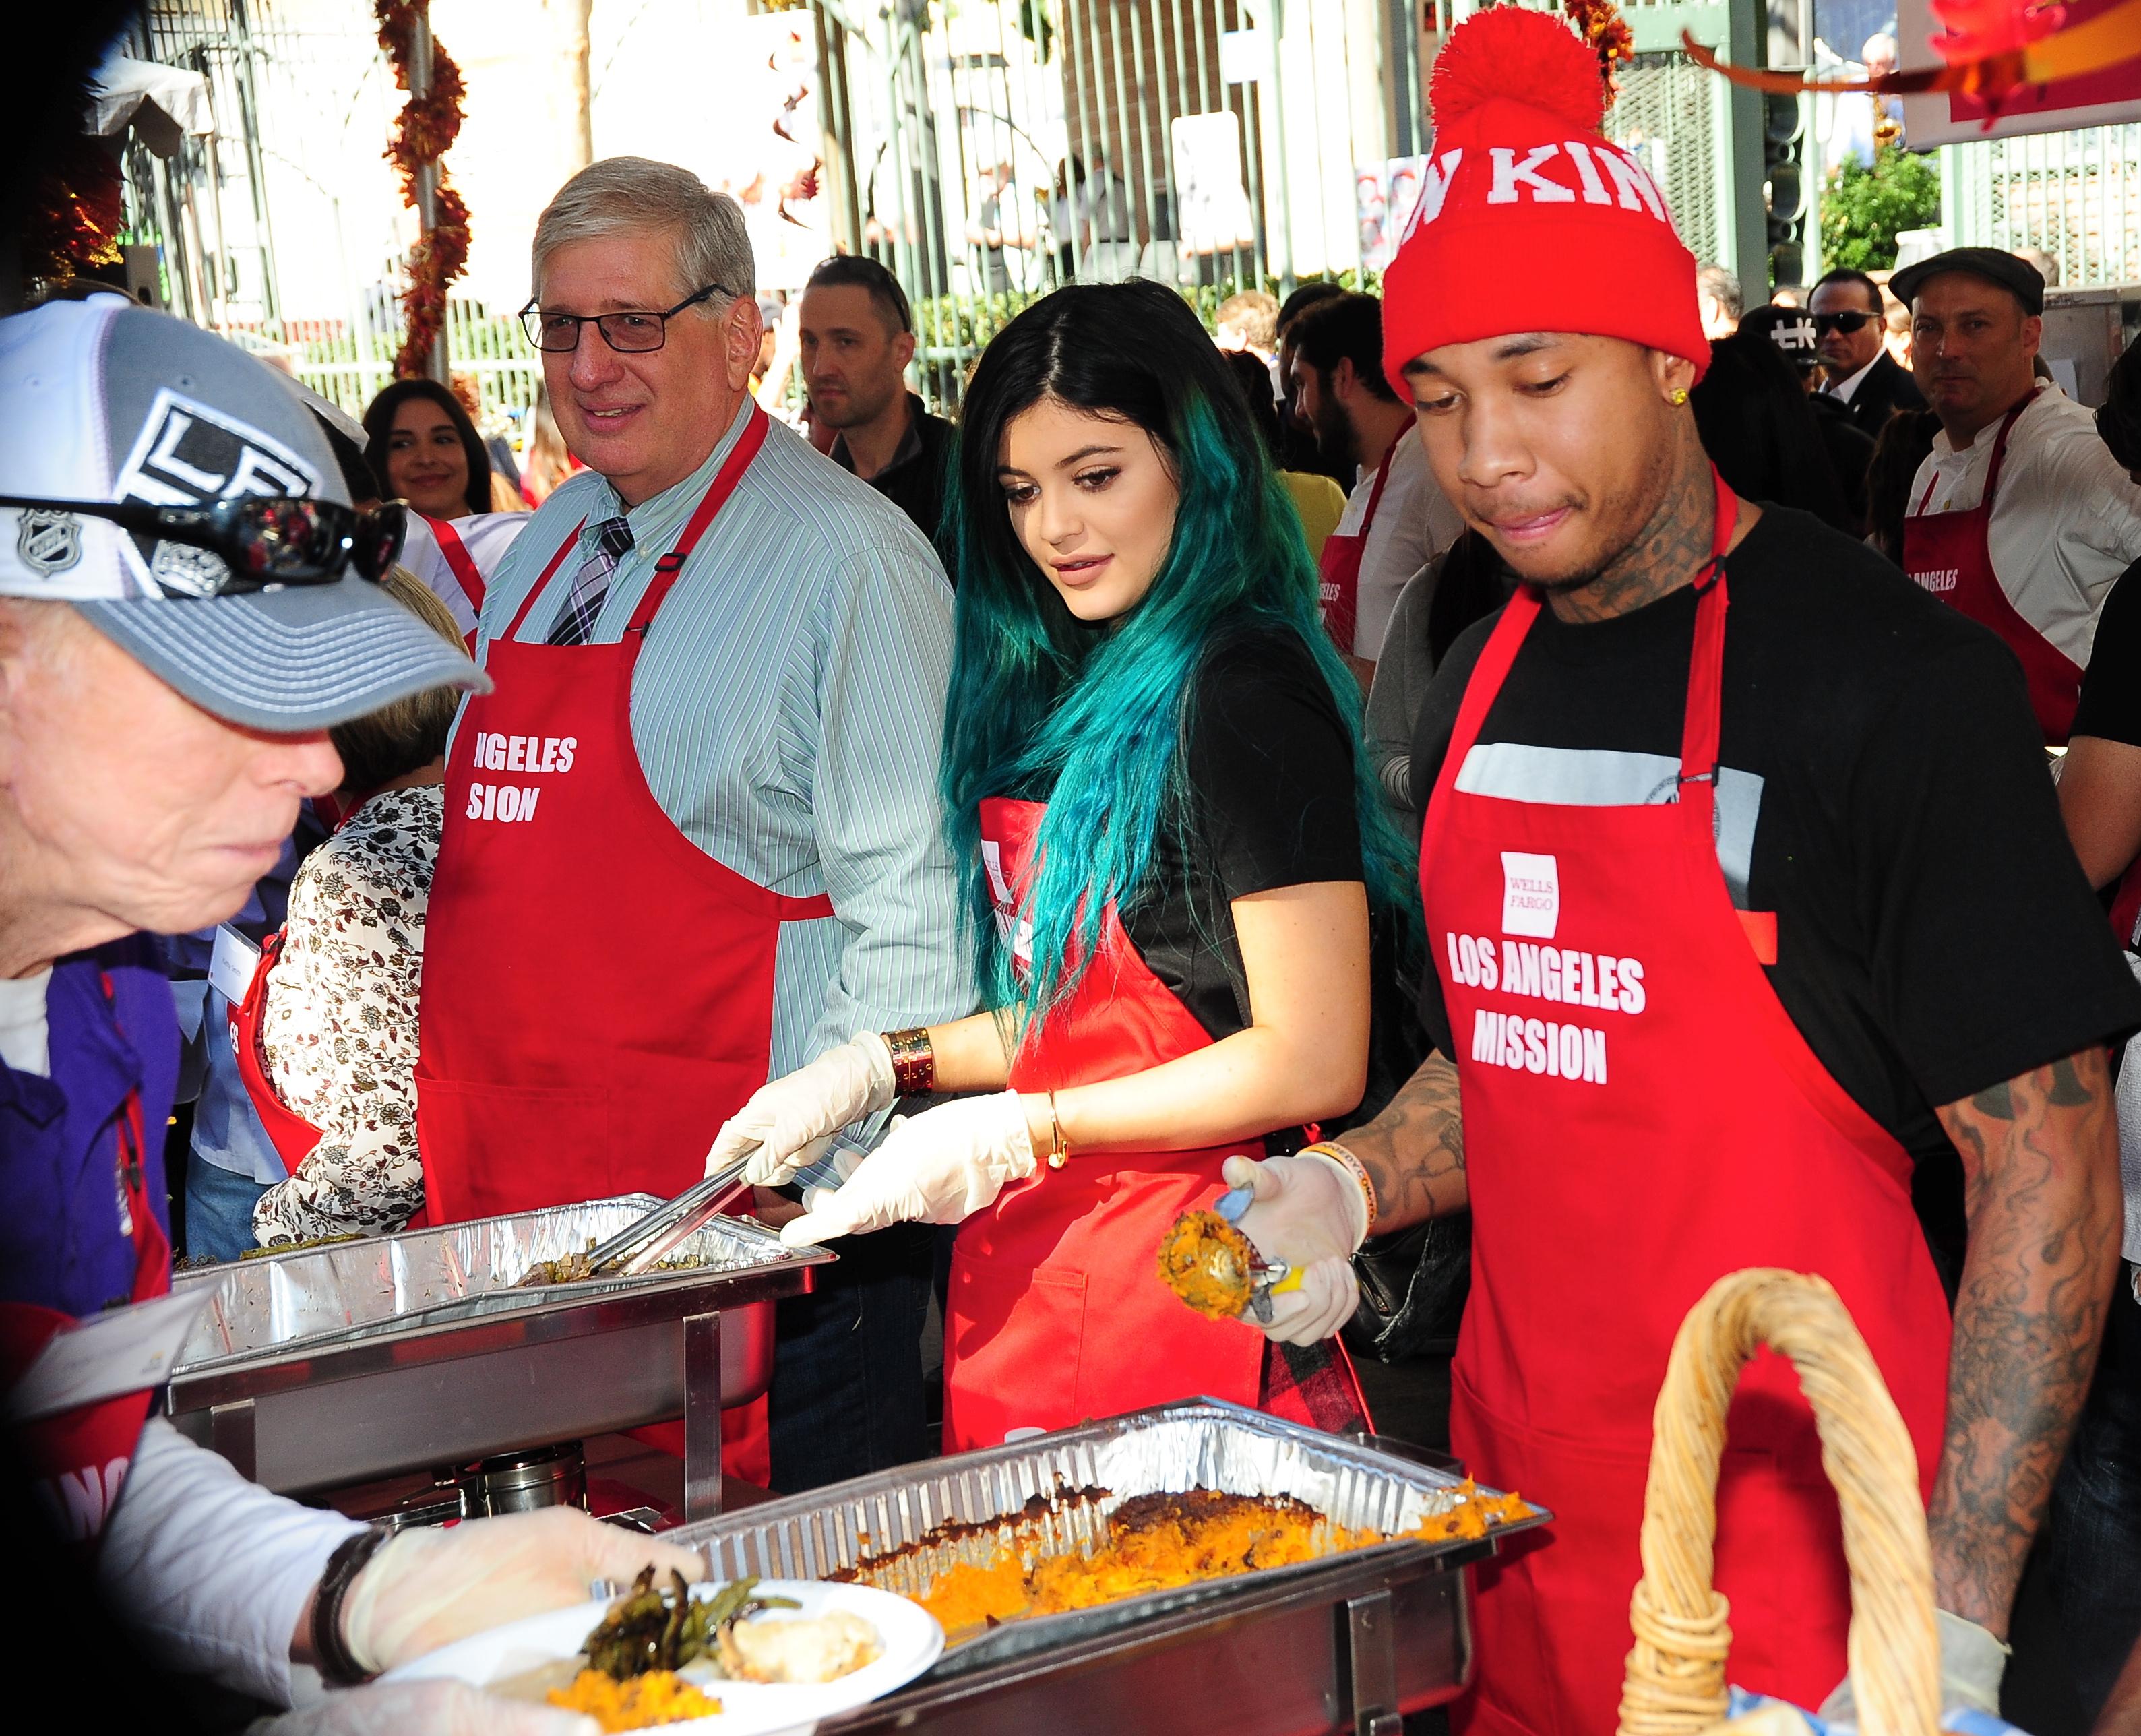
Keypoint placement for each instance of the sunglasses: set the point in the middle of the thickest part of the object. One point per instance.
(1825, 323)
(264, 540)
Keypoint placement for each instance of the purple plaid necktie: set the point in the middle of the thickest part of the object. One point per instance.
(590, 584)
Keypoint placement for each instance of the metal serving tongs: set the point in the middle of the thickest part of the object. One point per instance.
(647, 1241)
(1269, 1278)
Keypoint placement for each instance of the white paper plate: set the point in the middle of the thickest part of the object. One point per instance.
(910, 1634)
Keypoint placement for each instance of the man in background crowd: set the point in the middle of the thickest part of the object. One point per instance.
(1396, 518)
(1298, 447)
(1003, 231)
(1249, 322)
(2020, 516)
(1860, 376)
(857, 336)
(1717, 297)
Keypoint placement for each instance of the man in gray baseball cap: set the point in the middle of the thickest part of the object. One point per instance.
(178, 495)
(179, 622)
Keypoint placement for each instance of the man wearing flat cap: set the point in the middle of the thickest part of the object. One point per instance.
(2020, 516)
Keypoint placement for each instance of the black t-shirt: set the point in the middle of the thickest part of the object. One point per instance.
(2110, 705)
(1270, 770)
(1882, 790)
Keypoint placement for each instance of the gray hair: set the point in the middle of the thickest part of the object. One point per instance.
(630, 195)
(1722, 288)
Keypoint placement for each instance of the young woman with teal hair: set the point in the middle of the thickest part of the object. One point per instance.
(1178, 873)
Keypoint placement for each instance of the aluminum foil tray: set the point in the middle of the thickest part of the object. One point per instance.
(285, 1303)
(1053, 1495)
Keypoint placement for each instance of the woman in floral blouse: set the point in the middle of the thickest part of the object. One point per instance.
(338, 1029)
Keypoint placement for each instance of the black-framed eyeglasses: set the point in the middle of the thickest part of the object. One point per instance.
(629, 333)
(1825, 323)
(264, 540)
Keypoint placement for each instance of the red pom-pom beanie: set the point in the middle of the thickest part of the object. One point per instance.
(1528, 220)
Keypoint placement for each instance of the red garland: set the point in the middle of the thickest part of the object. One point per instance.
(423, 133)
(1606, 34)
(77, 210)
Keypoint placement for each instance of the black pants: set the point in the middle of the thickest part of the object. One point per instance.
(2093, 1546)
(847, 1395)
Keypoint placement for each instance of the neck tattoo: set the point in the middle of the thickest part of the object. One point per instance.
(1669, 552)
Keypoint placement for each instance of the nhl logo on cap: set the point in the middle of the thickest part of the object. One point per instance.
(48, 542)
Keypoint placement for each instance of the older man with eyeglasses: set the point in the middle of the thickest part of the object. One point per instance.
(693, 840)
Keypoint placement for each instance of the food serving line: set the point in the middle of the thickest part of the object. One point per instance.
(319, 1369)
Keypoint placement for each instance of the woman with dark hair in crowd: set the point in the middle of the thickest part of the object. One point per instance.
(1760, 430)
(1175, 858)
(425, 450)
(327, 1036)
(1903, 444)
(1319, 500)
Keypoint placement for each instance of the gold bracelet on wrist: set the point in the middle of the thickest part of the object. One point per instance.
(913, 1062)
(1059, 1148)
(1357, 1170)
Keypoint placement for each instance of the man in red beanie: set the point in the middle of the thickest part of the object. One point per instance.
(1707, 906)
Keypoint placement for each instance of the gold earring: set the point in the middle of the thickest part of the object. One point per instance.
(1679, 395)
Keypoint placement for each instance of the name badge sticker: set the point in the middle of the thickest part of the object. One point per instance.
(231, 965)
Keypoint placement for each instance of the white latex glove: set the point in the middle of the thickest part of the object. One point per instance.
(942, 1166)
(1971, 1663)
(427, 1588)
(1307, 1211)
(424, 1709)
(787, 1123)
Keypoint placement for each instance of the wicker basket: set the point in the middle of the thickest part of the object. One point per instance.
(1675, 1685)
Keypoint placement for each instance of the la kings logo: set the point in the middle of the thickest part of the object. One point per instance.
(190, 455)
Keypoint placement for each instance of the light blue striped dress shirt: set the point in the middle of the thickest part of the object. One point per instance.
(787, 706)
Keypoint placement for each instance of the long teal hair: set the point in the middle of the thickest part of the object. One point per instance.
(1091, 717)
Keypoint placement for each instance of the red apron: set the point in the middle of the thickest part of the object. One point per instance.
(1338, 586)
(293, 1136)
(465, 569)
(1056, 1312)
(80, 1457)
(563, 1058)
(1948, 554)
(1642, 1117)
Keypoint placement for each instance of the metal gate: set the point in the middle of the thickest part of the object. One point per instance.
(2077, 195)
(989, 152)
(1702, 138)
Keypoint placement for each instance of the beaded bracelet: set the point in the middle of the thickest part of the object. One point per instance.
(1353, 1166)
(336, 1663)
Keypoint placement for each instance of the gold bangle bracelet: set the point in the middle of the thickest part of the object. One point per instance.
(1059, 1148)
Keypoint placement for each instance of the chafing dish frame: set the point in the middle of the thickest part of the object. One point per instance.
(456, 1383)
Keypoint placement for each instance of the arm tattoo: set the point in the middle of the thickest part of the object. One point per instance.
(2041, 1160)
(1414, 1152)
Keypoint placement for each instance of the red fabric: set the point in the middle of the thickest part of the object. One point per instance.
(563, 1057)
(1056, 1310)
(293, 1137)
(465, 569)
(1948, 555)
(1339, 569)
(1526, 176)
(747, 1442)
(1686, 1132)
(79, 1458)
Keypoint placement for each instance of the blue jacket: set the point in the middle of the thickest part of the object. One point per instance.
(62, 1245)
